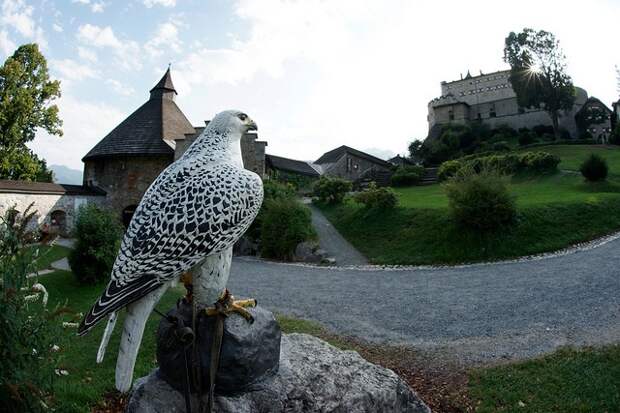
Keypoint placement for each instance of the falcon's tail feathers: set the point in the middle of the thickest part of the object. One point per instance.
(117, 296)
(137, 315)
(109, 328)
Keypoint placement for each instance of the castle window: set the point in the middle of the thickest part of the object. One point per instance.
(492, 113)
(479, 116)
(348, 164)
(451, 115)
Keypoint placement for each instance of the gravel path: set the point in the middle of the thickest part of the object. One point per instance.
(479, 313)
(331, 241)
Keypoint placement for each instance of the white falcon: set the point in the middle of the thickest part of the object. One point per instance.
(188, 220)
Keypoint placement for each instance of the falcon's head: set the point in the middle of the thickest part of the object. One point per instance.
(233, 121)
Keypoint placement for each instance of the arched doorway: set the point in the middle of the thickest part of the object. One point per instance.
(58, 222)
(128, 214)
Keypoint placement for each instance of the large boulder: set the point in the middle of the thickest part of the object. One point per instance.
(313, 377)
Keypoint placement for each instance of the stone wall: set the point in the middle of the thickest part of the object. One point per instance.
(125, 180)
(46, 204)
(350, 167)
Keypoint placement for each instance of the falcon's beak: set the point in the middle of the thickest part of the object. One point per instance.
(252, 125)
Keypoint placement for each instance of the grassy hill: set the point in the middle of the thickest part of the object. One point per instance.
(553, 212)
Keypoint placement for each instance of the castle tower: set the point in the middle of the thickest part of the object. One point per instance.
(127, 160)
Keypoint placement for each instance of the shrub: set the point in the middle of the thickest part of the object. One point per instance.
(539, 162)
(594, 168)
(272, 190)
(480, 201)
(377, 198)
(614, 138)
(526, 138)
(98, 235)
(501, 146)
(448, 169)
(286, 222)
(407, 175)
(331, 190)
(29, 331)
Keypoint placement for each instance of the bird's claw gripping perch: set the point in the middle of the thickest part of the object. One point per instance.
(227, 305)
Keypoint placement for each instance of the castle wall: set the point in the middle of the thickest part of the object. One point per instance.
(45, 204)
(492, 100)
(124, 179)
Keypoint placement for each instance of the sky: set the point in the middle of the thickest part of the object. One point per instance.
(314, 75)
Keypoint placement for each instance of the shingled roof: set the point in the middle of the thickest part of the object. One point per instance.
(335, 154)
(150, 130)
(26, 187)
(291, 165)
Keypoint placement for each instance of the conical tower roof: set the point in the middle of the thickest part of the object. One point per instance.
(150, 130)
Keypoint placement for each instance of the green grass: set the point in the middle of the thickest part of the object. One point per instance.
(573, 155)
(553, 213)
(48, 254)
(567, 381)
(87, 381)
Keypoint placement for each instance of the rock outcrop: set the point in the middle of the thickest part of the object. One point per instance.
(313, 377)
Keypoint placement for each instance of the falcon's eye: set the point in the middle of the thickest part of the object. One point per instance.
(242, 116)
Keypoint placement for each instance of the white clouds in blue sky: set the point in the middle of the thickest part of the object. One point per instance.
(315, 74)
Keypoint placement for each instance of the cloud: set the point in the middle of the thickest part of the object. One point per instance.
(7, 46)
(71, 71)
(57, 28)
(164, 3)
(87, 54)
(18, 15)
(126, 51)
(166, 38)
(84, 124)
(120, 88)
(95, 6)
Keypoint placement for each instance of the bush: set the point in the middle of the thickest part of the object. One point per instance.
(28, 330)
(501, 146)
(448, 169)
(272, 190)
(614, 138)
(526, 138)
(480, 201)
(286, 222)
(594, 168)
(511, 163)
(377, 198)
(98, 237)
(331, 190)
(407, 175)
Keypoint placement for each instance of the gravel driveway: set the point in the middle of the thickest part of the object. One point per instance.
(480, 313)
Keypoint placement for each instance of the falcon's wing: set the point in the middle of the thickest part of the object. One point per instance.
(189, 212)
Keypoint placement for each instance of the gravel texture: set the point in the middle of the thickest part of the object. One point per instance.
(475, 314)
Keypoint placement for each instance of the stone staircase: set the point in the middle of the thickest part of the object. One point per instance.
(430, 176)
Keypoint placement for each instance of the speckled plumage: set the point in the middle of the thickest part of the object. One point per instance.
(199, 206)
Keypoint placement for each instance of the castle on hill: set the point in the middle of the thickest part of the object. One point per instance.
(490, 99)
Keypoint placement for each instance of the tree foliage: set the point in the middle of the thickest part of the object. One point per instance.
(26, 96)
(538, 72)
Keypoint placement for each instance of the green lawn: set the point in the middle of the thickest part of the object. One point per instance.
(48, 254)
(563, 187)
(569, 380)
(573, 155)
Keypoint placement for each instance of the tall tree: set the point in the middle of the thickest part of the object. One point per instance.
(538, 73)
(26, 96)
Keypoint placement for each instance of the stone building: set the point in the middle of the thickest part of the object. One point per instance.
(350, 164)
(119, 169)
(128, 159)
(595, 118)
(489, 98)
(56, 204)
